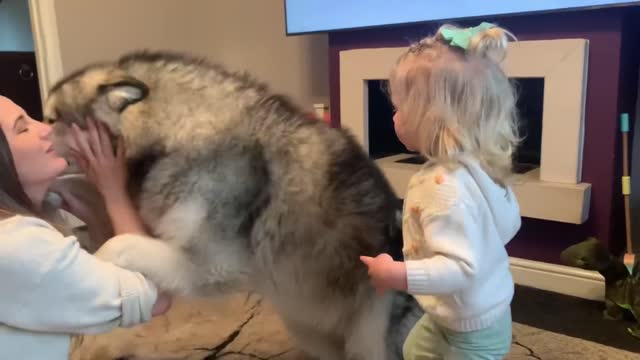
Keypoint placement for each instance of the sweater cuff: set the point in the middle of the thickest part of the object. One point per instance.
(417, 278)
(138, 297)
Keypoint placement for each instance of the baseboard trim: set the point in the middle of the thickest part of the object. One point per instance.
(558, 278)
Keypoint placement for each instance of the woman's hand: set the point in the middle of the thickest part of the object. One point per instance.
(162, 305)
(96, 157)
(108, 172)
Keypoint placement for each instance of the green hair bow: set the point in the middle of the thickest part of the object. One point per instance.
(461, 37)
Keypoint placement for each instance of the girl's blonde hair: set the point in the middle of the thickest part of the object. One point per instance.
(459, 100)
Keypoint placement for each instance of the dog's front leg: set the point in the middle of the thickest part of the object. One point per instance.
(167, 267)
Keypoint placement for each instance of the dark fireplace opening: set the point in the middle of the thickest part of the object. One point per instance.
(383, 141)
(530, 92)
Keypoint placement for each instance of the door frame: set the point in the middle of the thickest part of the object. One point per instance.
(46, 40)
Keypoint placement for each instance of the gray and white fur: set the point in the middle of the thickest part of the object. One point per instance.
(243, 192)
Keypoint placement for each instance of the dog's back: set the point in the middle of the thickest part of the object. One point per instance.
(329, 204)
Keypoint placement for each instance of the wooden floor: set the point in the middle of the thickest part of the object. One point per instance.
(240, 327)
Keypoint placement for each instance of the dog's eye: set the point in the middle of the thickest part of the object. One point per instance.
(49, 120)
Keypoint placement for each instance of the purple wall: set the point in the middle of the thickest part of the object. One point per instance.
(543, 240)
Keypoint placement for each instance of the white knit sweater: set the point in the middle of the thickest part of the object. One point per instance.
(456, 224)
(51, 289)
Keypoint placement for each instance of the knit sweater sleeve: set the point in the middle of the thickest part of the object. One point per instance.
(50, 284)
(452, 235)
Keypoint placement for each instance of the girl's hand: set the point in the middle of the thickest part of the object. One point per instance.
(96, 157)
(385, 273)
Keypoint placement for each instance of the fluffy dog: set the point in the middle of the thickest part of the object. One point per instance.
(242, 191)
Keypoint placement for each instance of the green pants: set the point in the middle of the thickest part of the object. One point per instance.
(428, 340)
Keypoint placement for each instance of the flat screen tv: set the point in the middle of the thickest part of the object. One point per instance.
(311, 16)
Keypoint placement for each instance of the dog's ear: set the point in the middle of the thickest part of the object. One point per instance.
(124, 92)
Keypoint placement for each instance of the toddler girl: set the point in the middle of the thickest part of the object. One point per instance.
(455, 105)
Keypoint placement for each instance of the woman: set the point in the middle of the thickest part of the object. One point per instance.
(51, 288)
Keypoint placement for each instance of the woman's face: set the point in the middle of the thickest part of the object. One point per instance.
(31, 146)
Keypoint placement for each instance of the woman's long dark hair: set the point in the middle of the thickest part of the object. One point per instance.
(13, 199)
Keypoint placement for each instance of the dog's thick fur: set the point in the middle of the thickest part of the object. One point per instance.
(246, 193)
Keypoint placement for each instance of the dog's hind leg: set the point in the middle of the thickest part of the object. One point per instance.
(366, 338)
(315, 343)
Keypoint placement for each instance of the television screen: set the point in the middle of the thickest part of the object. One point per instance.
(305, 16)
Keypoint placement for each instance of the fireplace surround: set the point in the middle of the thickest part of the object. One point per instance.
(553, 177)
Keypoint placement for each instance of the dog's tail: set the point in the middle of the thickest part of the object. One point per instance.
(405, 312)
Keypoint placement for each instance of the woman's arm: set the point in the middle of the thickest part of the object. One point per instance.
(50, 284)
(109, 174)
(124, 216)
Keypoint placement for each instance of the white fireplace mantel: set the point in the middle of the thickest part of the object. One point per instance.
(552, 192)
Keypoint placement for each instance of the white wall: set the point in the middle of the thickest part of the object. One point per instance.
(241, 34)
(97, 30)
(250, 34)
(15, 26)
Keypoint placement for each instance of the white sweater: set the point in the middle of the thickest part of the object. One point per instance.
(456, 224)
(51, 289)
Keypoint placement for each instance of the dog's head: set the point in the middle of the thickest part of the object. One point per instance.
(102, 92)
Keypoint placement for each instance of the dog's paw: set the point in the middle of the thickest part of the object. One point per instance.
(119, 251)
